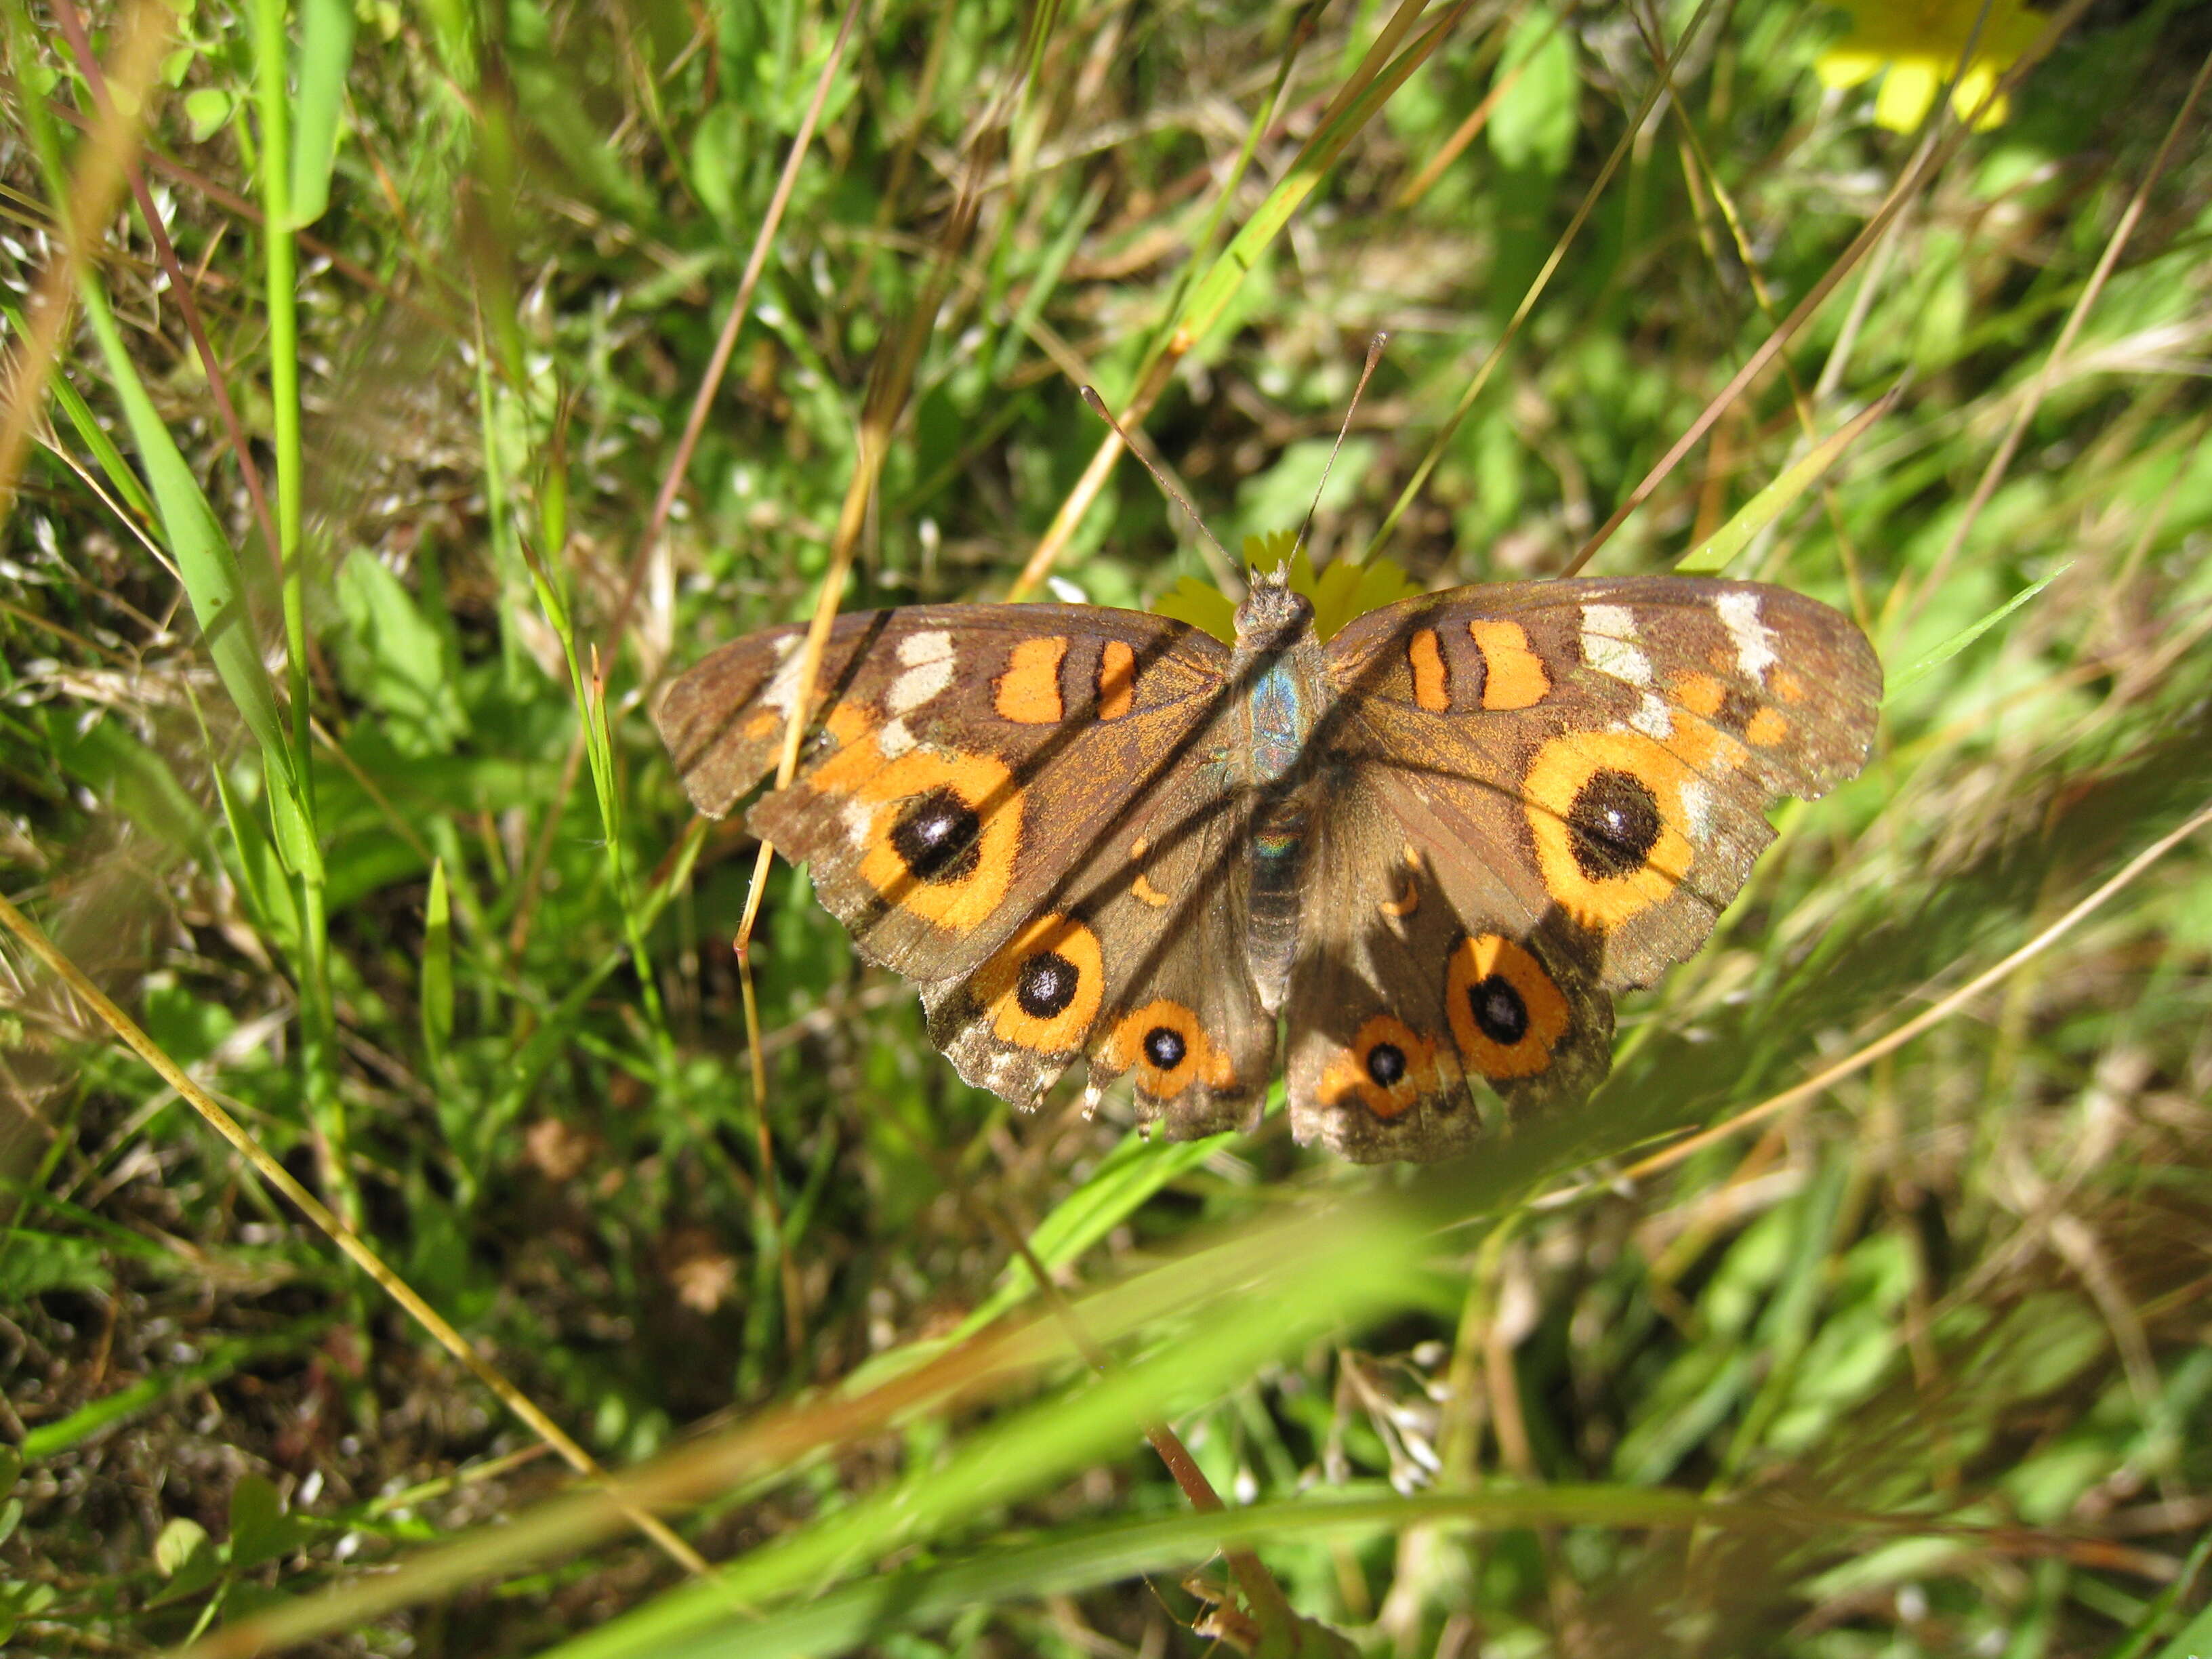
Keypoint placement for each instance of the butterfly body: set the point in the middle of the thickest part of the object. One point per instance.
(1423, 853)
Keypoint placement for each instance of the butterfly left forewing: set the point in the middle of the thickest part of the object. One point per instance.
(959, 759)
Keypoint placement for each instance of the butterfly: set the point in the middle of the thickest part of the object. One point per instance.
(1420, 855)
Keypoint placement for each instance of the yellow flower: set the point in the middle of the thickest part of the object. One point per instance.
(1918, 43)
(1338, 594)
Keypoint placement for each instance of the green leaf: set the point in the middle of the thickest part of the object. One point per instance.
(259, 1529)
(319, 103)
(181, 1539)
(1966, 636)
(31, 1263)
(718, 159)
(1202, 605)
(1533, 123)
(397, 661)
(11, 1516)
(437, 991)
(209, 110)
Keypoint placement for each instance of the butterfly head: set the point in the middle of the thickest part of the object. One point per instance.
(1273, 615)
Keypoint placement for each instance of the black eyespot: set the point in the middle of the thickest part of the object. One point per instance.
(1500, 1012)
(1046, 985)
(1164, 1047)
(1386, 1063)
(1614, 824)
(938, 837)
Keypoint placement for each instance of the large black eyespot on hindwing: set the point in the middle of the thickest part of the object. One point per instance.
(938, 836)
(1386, 1064)
(1500, 1013)
(1614, 824)
(1164, 1047)
(1046, 985)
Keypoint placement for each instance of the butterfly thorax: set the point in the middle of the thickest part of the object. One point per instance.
(1279, 672)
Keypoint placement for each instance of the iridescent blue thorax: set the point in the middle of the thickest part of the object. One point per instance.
(1278, 674)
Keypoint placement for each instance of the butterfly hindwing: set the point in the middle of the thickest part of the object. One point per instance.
(960, 760)
(1420, 971)
(1137, 961)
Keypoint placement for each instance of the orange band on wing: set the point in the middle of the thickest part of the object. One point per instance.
(1514, 677)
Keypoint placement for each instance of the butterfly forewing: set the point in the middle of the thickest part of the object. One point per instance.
(1637, 728)
(960, 759)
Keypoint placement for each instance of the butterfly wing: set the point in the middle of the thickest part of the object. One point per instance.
(1421, 967)
(959, 759)
(1015, 806)
(1137, 961)
(1579, 773)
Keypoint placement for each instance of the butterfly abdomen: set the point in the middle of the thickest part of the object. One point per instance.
(1278, 859)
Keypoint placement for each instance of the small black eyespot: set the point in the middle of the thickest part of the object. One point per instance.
(1386, 1064)
(1047, 984)
(1164, 1047)
(1498, 1010)
(938, 837)
(1614, 824)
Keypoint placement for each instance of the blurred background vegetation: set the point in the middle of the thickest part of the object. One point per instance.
(331, 596)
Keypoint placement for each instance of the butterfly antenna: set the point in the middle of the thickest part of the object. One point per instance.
(1374, 357)
(1159, 475)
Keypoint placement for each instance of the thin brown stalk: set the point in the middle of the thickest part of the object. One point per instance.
(1924, 168)
(93, 190)
(710, 383)
(1933, 1016)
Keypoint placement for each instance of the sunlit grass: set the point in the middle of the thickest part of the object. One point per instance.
(367, 829)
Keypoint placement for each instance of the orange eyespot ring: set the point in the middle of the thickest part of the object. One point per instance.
(1040, 989)
(938, 831)
(1167, 1048)
(1387, 1068)
(1606, 810)
(1507, 1013)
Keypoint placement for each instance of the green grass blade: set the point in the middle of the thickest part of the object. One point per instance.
(319, 100)
(1966, 636)
(1718, 551)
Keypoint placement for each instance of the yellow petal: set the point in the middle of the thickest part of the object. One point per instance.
(1847, 66)
(1906, 92)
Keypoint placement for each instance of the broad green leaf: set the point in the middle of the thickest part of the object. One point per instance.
(31, 1263)
(1533, 123)
(181, 1541)
(396, 661)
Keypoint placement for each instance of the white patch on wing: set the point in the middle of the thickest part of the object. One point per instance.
(894, 740)
(782, 692)
(1698, 809)
(1652, 717)
(928, 660)
(1609, 644)
(1755, 640)
(859, 818)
